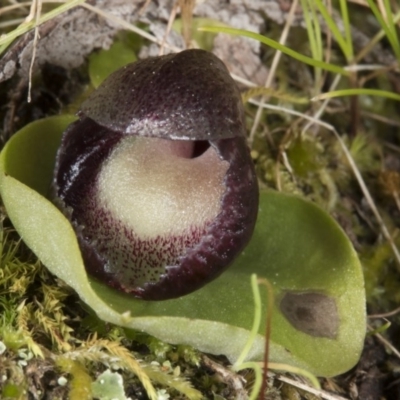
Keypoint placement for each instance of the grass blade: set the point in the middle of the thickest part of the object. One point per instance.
(357, 92)
(277, 46)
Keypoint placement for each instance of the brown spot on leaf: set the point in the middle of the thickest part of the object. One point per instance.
(313, 313)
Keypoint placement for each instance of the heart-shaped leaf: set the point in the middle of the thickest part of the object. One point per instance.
(318, 320)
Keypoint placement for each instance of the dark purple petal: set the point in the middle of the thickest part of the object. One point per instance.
(190, 95)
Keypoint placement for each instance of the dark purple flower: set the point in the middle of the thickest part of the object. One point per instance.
(156, 176)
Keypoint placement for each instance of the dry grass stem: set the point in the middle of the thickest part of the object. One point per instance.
(171, 20)
(386, 343)
(144, 6)
(272, 70)
(243, 81)
(11, 22)
(382, 9)
(187, 7)
(35, 11)
(359, 2)
(25, 4)
(381, 118)
(385, 315)
(323, 106)
(383, 228)
(317, 392)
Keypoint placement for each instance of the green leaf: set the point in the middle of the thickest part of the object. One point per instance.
(30, 155)
(306, 256)
(103, 63)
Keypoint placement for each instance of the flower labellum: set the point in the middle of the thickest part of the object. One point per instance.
(156, 177)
